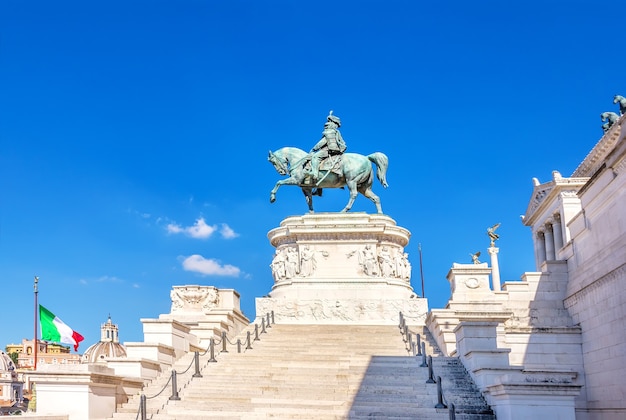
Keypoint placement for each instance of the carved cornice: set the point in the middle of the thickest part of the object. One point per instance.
(545, 194)
(600, 151)
(346, 227)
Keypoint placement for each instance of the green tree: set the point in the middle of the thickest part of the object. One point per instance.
(14, 356)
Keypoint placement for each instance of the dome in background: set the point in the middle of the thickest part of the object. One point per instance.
(6, 363)
(109, 345)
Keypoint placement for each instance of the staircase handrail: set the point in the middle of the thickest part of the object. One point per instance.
(427, 362)
(211, 348)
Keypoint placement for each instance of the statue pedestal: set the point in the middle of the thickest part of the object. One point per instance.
(341, 268)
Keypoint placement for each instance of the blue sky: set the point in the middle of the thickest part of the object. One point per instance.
(134, 136)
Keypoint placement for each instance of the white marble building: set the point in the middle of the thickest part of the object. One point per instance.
(581, 222)
(552, 345)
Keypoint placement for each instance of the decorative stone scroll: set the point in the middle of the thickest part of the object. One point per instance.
(194, 298)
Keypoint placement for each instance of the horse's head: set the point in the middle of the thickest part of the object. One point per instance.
(616, 99)
(279, 162)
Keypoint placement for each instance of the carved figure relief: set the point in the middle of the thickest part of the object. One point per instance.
(387, 268)
(368, 261)
(278, 265)
(291, 263)
(388, 262)
(307, 261)
(403, 266)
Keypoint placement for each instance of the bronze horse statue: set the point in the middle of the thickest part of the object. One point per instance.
(609, 119)
(356, 173)
(622, 103)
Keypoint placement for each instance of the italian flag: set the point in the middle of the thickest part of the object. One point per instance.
(57, 331)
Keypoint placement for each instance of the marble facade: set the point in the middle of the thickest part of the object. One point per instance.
(552, 344)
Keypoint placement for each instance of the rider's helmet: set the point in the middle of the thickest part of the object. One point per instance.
(333, 118)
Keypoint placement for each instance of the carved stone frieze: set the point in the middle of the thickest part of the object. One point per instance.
(294, 261)
(538, 196)
(194, 298)
(343, 310)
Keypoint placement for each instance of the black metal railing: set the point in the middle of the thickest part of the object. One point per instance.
(418, 348)
(142, 412)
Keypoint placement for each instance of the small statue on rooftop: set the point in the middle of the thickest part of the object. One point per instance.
(622, 103)
(475, 257)
(491, 232)
(608, 118)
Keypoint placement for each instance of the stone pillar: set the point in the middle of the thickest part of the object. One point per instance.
(540, 246)
(549, 241)
(558, 232)
(495, 268)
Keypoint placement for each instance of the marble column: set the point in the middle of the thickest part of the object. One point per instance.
(495, 268)
(549, 241)
(540, 247)
(558, 232)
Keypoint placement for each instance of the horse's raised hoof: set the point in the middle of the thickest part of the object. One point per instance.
(272, 198)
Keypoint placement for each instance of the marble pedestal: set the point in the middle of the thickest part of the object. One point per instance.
(341, 268)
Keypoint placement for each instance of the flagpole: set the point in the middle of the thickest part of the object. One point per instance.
(419, 247)
(36, 345)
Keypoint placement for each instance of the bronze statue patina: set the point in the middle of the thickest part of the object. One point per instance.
(350, 169)
(491, 232)
(619, 99)
(608, 118)
(331, 145)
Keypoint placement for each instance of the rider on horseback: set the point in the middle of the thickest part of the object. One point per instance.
(331, 144)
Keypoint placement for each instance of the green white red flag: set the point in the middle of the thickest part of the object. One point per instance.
(57, 331)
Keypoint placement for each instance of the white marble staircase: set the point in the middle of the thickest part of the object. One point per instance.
(309, 372)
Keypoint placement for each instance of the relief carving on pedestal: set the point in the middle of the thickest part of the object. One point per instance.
(308, 264)
(348, 310)
(194, 297)
(368, 261)
(387, 263)
(288, 263)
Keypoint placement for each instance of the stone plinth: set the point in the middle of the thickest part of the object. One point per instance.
(347, 268)
(85, 391)
(206, 311)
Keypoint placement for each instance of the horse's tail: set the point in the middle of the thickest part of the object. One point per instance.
(382, 163)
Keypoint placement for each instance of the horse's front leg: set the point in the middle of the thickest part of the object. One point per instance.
(287, 181)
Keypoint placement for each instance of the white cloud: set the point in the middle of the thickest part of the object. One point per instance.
(174, 228)
(227, 232)
(208, 266)
(201, 230)
(109, 279)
